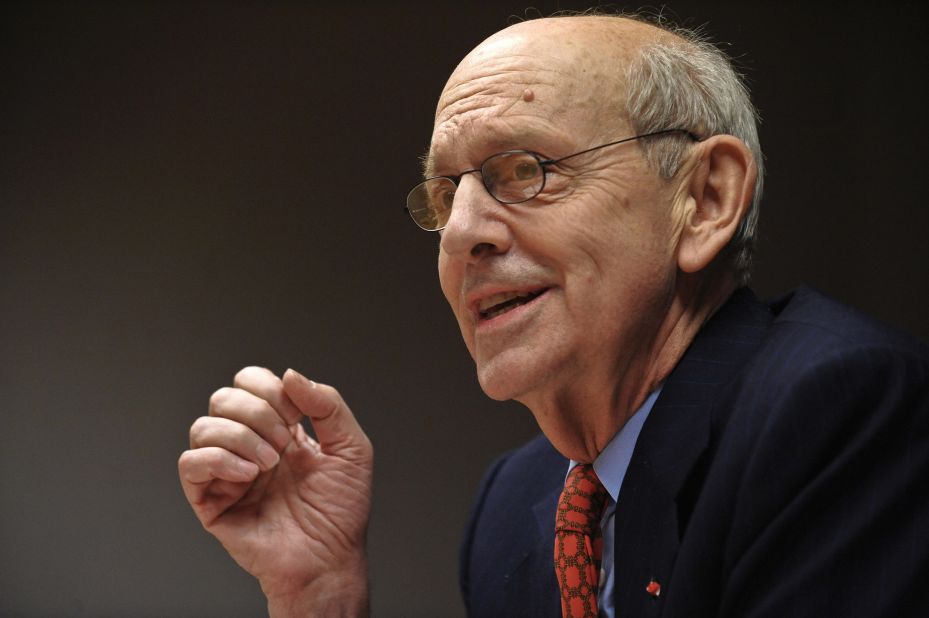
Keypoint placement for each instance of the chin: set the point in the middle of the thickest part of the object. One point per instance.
(496, 388)
(503, 381)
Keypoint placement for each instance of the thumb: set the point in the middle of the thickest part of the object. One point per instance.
(336, 429)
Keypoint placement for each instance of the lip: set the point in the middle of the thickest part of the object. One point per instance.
(477, 296)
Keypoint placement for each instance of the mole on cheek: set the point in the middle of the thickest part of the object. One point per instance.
(528, 95)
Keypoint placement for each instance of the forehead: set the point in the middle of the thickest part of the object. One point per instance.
(521, 90)
(498, 106)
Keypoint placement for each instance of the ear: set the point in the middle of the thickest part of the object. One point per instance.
(718, 193)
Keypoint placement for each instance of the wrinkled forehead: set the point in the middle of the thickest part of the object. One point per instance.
(503, 98)
(564, 73)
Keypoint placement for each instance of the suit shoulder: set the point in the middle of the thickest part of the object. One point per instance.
(809, 318)
(824, 378)
(822, 343)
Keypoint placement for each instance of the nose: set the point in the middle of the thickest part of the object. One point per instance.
(477, 225)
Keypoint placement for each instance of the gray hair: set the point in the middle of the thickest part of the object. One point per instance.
(692, 85)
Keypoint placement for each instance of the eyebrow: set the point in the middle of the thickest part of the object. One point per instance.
(427, 162)
(498, 144)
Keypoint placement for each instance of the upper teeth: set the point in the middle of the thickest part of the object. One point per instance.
(502, 297)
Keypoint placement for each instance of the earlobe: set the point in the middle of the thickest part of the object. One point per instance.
(719, 189)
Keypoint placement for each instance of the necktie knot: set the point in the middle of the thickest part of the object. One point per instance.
(582, 501)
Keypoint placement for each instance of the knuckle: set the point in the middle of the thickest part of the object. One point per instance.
(191, 461)
(220, 399)
(184, 461)
(198, 428)
(250, 374)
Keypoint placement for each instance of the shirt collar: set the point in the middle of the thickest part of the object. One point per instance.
(613, 461)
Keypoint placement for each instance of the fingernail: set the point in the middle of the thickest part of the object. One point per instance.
(281, 436)
(310, 383)
(267, 455)
(246, 469)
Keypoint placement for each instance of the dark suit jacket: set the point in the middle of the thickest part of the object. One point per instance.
(783, 471)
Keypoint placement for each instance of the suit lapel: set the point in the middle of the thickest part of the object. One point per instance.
(668, 463)
(544, 511)
(514, 574)
(531, 587)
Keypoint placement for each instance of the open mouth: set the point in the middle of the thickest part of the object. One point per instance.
(498, 304)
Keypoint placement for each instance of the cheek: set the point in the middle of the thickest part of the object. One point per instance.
(620, 252)
(449, 283)
(640, 231)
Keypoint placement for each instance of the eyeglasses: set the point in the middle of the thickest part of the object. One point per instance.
(510, 177)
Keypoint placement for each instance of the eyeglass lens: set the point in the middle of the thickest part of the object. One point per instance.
(510, 177)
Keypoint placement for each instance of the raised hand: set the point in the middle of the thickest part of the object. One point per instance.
(291, 510)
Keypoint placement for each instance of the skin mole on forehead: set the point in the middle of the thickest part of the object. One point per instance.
(528, 95)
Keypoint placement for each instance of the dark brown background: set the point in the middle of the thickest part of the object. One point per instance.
(187, 188)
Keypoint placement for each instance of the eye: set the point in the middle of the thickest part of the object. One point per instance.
(513, 177)
(448, 196)
(441, 195)
(510, 167)
(526, 170)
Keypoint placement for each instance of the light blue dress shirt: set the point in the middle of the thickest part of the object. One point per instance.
(611, 467)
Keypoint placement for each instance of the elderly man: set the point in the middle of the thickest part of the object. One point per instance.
(595, 181)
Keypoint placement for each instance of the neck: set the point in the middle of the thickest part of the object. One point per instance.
(580, 420)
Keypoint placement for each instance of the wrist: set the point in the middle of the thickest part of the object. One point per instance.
(339, 594)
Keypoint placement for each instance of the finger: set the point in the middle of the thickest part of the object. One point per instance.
(263, 383)
(202, 465)
(253, 412)
(234, 437)
(303, 438)
(213, 479)
(335, 426)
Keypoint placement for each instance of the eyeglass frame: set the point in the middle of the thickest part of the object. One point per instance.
(455, 180)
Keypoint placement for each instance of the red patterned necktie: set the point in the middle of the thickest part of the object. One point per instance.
(578, 542)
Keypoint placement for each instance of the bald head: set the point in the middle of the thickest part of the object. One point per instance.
(571, 65)
(579, 38)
